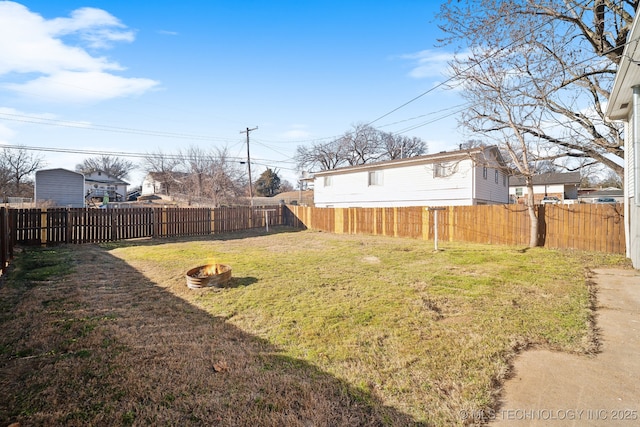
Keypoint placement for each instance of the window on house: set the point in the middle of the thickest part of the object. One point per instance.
(497, 176)
(327, 181)
(519, 191)
(375, 178)
(484, 172)
(439, 170)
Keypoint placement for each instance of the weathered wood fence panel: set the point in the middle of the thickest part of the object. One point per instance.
(589, 227)
(6, 243)
(79, 225)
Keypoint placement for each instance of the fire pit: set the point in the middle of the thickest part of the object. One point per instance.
(210, 275)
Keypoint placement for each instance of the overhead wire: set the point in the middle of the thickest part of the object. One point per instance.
(154, 133)
(452, 78)
(105, 128)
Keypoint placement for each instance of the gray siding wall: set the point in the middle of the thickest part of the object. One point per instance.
(61, 187)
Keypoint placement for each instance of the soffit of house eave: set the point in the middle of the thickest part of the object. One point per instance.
(627, 76)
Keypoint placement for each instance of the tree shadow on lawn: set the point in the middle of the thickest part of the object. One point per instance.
(107, 346)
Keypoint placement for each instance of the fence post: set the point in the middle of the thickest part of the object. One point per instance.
(452, 219)
(114, 225)
(43, 226)
(425, 224)
(4, 239)
(395, 222)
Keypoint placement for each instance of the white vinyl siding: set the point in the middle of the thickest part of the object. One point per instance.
(489, 191)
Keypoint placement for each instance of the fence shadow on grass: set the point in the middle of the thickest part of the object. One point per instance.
(118, 349)
(234, 235)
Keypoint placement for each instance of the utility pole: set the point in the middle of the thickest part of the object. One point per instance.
(249, 164)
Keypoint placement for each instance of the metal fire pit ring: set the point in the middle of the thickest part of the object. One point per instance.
(198, 277)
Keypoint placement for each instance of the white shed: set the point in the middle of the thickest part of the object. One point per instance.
(60, 187)
(477, 176)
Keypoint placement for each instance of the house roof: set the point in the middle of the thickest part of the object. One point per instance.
(444, 156)
(627, 76)
(547, 179)
(59, 169)
(103, 179)
(89, 179)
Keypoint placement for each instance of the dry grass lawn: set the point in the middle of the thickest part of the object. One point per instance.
(317, 330)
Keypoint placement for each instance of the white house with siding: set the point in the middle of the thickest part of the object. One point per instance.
(476, 176)
(99, 183)
(562, 185)
(624, 105)
(59, 187)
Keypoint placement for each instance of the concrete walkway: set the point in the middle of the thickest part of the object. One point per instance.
(558, 389)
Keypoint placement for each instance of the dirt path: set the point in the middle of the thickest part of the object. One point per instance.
(559, 389)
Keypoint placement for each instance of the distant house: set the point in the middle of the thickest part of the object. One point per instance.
(623, 105)
(564, 186)
(595, 195)
(59, 187)
(99, 183)
(466, 177)
(161, 183)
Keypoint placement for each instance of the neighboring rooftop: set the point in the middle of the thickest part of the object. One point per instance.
(547, 179)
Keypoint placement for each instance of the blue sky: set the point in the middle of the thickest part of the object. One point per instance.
(93, 74)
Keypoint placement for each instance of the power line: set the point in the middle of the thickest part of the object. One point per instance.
(456, 75)
(105, 128)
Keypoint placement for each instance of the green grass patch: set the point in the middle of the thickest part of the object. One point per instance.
(427, 332)
(36, 264)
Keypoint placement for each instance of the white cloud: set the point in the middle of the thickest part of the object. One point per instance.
(95, 26)
(29, 44)
(428, 63)
(83, 87)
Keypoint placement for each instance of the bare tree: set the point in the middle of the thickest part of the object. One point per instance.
(322, 156)
(573, 47)
(226, 180)
(496, 86)
(362, 145)
(165, 167)
(400, 146)
(196, 163)
(17, 165)
(114, 166)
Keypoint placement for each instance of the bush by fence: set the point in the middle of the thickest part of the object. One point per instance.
(587, 227)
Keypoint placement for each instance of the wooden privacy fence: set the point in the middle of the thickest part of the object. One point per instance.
(81, 225)
(590, 227)
(587, 227)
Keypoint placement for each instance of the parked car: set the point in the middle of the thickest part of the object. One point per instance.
(605, 200)
(550, 200)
